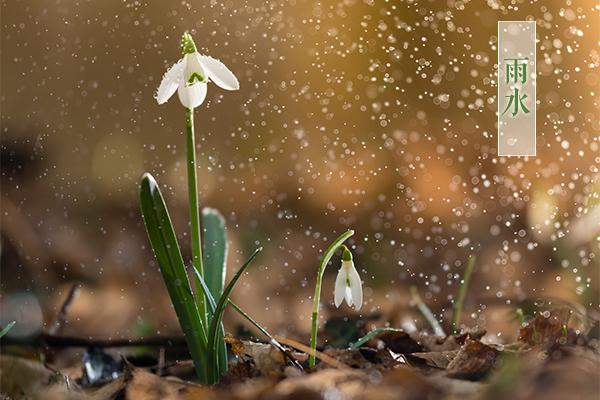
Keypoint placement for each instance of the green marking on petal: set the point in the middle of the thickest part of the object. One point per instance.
(196, 77)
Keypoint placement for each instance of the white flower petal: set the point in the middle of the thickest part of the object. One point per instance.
(219, 73)
(348, 295)
(340, 287)
(355, 287)
(193, 66)
(191, 96)
(170, 82)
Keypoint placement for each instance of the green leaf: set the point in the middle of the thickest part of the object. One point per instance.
(7, 328)
(215, 266)
(166, 249)
(212, 304)
(215, 250)
(371, 335)
(213, 337)
(222, 347)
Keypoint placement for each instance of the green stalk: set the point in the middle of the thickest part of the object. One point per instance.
(462, 292)
(317, 297)
(194, 211)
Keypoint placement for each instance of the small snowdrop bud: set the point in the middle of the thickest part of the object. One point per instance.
(187, 44)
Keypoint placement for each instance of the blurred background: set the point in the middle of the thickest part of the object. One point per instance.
(378, 116)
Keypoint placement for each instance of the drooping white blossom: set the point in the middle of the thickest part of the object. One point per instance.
(347, 284)
(190, 75)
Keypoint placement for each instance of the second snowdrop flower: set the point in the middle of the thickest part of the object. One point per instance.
(347, 284)
(190, 75)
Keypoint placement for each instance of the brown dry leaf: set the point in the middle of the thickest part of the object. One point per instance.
(22, 378)
(435, 359)
(473, 361)
(471, 333)
(306, 350)
(248, 389)
(402, 383)
(28, 379)
(336, 383)
(456, 388)
(365, 358)
(565, 373)
(548, 327)
(144, 385)
(400, 342)
(568, 371)
(436, 343)
(433, 343)
(352, 358)
(266, 358)
(237, 347)
(330, 383)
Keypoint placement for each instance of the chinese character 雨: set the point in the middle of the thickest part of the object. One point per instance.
(516, 72)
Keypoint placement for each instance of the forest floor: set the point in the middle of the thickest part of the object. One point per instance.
(549, 361)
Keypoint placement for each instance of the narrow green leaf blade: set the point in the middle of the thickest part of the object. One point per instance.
(220, 309)
(371, 335)
(166, 249)
(7, 328)
(215, 250)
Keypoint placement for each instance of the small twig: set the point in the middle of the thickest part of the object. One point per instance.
(426, 311)
(61, 317)
(161, 361)
(306, 349)
(462, 291)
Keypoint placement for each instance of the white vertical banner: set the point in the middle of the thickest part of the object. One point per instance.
(516, 88)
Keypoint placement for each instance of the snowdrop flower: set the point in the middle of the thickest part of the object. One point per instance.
(347, 283)
(190, 75)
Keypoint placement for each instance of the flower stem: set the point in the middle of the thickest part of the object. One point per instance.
(194, 209)
(317, 297)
